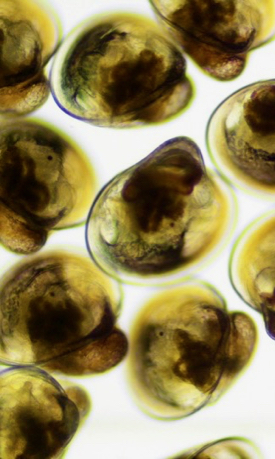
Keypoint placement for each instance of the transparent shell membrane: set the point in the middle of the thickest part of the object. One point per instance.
(154, 221)
(37, 417)
(45, 183)
(226, 448)
(28, 37)
(58, 310)
(218, 34)
(252, 268)
(186, 350)
(118, 71)
(241, 135)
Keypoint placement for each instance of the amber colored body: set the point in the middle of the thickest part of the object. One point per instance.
(118, 71)
(253, 269)
(59, 311)
(28, 38)
(218, 34)
(186, 350)
(161, 215)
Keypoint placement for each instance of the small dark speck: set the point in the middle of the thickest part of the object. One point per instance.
(50, 158)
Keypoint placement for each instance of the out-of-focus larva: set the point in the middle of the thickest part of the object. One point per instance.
(226, 448)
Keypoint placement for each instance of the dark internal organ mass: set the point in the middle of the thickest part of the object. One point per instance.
(37, 419)
(42, 182)
(258, 121)
(218, 33)
(145, 220)
(121, 71)
(241, 136)
(59, 311)
(253, 270)
(28, 37)
(231, 448)
(259, 110)
(187, 350)
(156, 189)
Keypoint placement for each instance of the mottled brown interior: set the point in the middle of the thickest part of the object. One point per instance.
(186, 350)
(60, 307)
(161, 214)
(241, 136)
(217, 34)
(40, 420)
(259, 111)
(20, 51)
(121, 71)
(156, 190)
(38, 190)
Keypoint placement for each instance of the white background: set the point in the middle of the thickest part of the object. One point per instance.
(116, 428)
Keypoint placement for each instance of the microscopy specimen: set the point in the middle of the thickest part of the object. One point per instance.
(162, 214)
(28, 37)
(241, 136)
(186, 349)
(218, 34)
(37, 418)
(46, 183)
(226, 448)
(252, 268)
(59, 310)
(120, 70)
(79, 396)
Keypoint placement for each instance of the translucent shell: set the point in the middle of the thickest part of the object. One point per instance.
(37, 419)
(218, 34)
(226, 448)
(120, 70)
(59, 310)
(28, 38)
(241, 136)
(45, 183)
(162, 214)
(252, 268)
(186, 350)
